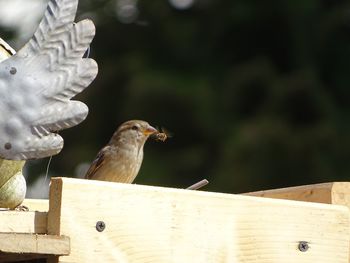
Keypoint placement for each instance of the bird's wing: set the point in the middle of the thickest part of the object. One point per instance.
(98, 162)
(37, 84)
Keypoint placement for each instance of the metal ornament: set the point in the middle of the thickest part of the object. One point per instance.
(38, 82)
(12, 182)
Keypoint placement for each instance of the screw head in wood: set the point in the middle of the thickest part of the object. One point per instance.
(100, 226)
(13, 70)
(7, 146)
(303, 246)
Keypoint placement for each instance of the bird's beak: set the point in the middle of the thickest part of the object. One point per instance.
(149, 131)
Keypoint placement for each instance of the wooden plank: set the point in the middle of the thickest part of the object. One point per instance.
(341, 193)
(30, 222)
(23, 222)
(154, 224)
(55, 207)
(319, 193)
(41, 205)
(337, 193)
(19, 239)
(34, 244)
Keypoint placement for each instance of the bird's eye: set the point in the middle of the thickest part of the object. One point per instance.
(135, 128)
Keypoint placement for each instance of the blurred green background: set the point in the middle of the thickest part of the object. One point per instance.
(255, 92)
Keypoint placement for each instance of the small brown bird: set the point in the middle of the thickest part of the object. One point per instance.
(120, 160)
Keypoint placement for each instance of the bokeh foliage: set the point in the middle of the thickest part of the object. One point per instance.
(255, 92)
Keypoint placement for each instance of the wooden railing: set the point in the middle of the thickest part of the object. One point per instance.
(92, 221)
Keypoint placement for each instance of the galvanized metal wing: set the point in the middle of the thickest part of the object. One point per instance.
(37, 84)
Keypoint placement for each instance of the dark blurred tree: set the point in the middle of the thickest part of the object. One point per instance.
(255, 92)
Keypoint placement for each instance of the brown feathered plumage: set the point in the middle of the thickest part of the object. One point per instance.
(120, 160)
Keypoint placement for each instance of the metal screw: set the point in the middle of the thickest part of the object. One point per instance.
(100, 226)
(13, 70)
(8, 146)
(303, 246)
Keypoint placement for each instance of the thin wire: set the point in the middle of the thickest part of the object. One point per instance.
(87, 53)
(47, 169)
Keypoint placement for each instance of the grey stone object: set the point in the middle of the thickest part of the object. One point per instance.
(38, 82)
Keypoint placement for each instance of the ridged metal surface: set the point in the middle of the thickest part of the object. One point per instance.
(37, 84)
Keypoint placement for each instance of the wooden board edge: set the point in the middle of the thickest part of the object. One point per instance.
(80, 194)
(341, 193)
(29, 222)
(22, 243)
(55, 203)
(318, 193)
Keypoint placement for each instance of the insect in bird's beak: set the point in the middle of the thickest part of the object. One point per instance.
(161, 135)
(149, 131)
